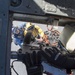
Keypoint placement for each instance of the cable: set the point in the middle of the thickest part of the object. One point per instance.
(13, 67)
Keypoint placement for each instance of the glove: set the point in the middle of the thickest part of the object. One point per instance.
(32, 38)
(33, 63)
(56, 58)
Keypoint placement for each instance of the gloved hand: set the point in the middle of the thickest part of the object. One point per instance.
(33, 63)
(58, 59)
(32, 38)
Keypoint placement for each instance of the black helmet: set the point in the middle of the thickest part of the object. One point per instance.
(27, 38)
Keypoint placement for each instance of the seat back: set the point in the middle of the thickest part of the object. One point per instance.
(67, 37)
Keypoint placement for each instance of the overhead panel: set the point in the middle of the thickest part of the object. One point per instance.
(28, 7)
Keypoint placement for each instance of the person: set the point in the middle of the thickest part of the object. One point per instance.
(52, 55)
(38, 34)
(18, 34)
(35, 31)
(53, 35)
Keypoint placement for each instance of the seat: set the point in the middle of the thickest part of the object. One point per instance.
(67, 37)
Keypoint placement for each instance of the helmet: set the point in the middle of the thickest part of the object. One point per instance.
(15, 30)
(27, 38)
